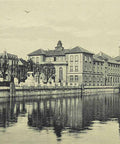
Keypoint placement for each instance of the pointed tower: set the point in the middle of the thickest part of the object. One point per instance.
(59, 46)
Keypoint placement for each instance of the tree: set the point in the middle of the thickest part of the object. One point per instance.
(4, 67)
(48, 70)
(31, 65)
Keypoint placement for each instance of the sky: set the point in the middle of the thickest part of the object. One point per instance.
(28, 25)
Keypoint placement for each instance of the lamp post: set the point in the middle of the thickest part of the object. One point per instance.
(12, 77)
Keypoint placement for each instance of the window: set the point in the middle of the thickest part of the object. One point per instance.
(76, 68)
(89, 59)
(71, 78)
(33, 59)
(37, 59)
(76, 58)
(54, 58)
(10, 62)
(71, 58)
(85, 59)
(76, 77)
(60, 74)
(76, 63)
(71, 68)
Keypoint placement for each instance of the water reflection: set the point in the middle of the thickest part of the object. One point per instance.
(72, 114)
(9, 112)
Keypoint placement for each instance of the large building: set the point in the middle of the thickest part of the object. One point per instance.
(78, 66)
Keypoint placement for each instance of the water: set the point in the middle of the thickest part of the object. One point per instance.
(71, 120)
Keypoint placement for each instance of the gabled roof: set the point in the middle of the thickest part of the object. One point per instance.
(78, 49)
(117, 58)
(103, 56)
(95, 58)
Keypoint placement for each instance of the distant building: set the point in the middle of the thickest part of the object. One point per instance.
(11, 66)
(78, 66)
(8, 65)
(108, 70)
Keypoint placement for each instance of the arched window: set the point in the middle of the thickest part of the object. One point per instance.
(60, 74)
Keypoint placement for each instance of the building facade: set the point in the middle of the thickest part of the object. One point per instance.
(78, 66)
(12, 67)
(8, 65)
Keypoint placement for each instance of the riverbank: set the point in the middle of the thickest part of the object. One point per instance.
(53, 91)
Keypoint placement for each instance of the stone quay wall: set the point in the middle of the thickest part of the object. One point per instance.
(57, 91)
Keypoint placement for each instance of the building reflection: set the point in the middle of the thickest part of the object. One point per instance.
(9, 112)
(71, 114)
(57, 113)
(74, 114)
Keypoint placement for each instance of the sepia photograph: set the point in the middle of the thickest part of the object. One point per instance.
(59, 71)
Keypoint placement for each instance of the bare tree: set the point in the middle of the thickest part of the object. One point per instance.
(48, 70)
(4, 67)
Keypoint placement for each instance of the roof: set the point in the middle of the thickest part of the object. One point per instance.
(95, 58)
(55, 53)
(117, 58)
(103, 56)
(47, 53)
(78, 49)
(59, 52)
(113, 62)
(10, 56)
(37, 52)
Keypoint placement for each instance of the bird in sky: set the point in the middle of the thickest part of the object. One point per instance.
(27, 11)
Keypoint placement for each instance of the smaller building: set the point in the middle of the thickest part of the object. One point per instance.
(8, 66)
(12, 67)
(109, 69)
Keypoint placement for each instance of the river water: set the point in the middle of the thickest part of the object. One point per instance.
(71, 120)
